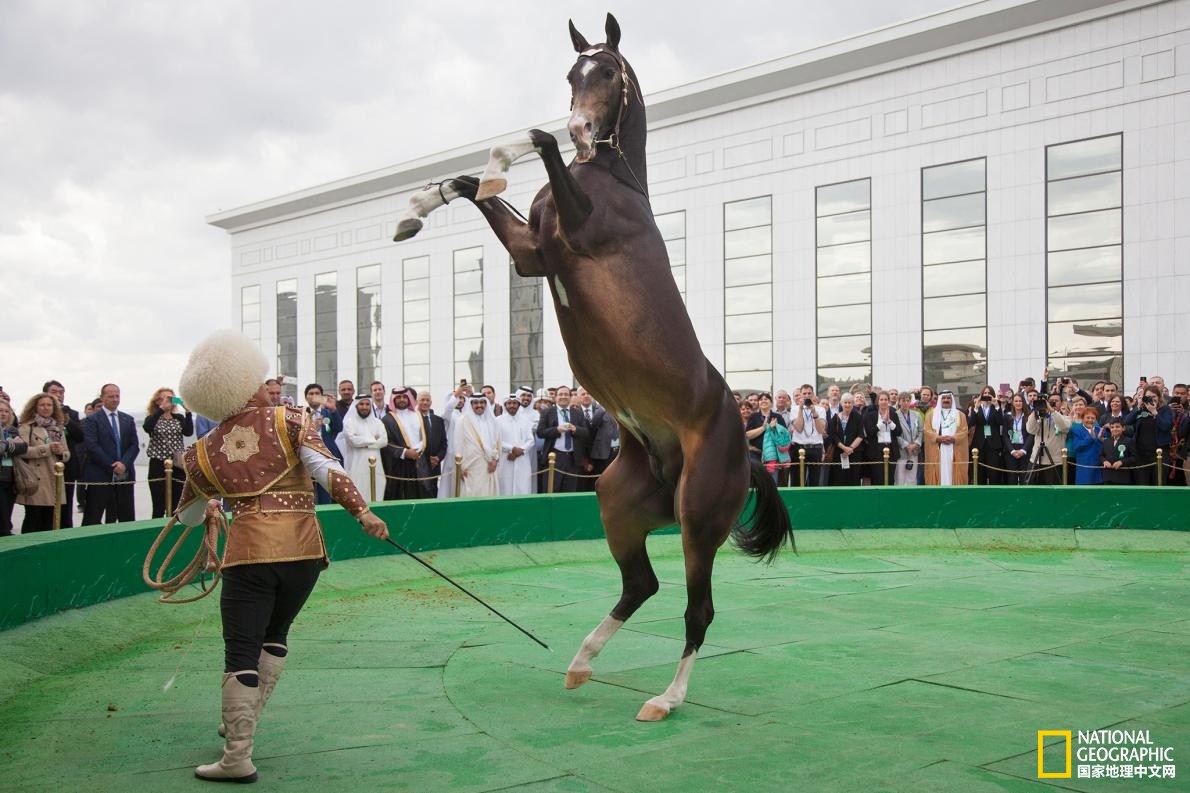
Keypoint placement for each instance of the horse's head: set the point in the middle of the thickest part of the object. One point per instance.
(601, 85)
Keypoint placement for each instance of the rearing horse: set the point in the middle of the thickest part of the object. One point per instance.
(683, 455)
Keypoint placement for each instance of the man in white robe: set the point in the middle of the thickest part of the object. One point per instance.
(454, 404)
(363, 437)
(945, 430)
(514, 472)
(477, 440)
(532, 418)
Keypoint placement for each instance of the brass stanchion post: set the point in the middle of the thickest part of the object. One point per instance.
(169, 486)
(458, 475)
(801, 467)
(975, 466)
(553, 458)
(1065, 476)
(372, 477)
(59, 492)
(1160, 469)
(886, 453)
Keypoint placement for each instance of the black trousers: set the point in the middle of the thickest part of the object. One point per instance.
(258, 604)
(157, 489)
(115, 501)
(564, 463)
(1018, 467)
(7, 501)
(813, 455)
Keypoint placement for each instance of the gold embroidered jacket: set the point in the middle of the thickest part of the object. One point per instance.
(252, 460)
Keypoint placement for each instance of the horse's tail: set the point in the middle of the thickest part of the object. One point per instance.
(764, 533)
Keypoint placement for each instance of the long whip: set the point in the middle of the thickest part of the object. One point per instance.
(462, 589)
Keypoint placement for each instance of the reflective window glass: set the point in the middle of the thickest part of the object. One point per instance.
(419, 374)
(1087, 337)
(367, 323)
(679, 274)
(1085, 230)
(468, 282)
(959, 278)
(845, 351)
(953, 246)
(842, 376)
(417, 353)
(1087, 193)
(326, 327)
(840, 229)
(250, 312)
(287, 341)
(676, 250)
(748, 270)
(416, 332)
(417, 289)
(962, 311)
(1088, 301)
(748, 327)
(953, 213)
(671, 225)
(956, 178)
(1083, 157)
(752, 355)
(845, 320)
(747, 213)
(468, 327)
(747, 242)
(755, 379)
(525, 326)
(418, 267)
(839, 290)
(1085, 266)
(966, 346)
(852, 196)
(417, 311)
(748, 299)
(842, 259)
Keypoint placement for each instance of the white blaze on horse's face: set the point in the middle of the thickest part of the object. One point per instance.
(595, 90)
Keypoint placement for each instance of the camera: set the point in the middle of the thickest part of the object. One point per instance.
(1175, 400)
(1041, 405)
(807, 402)
(1149, 399)
(985, 398)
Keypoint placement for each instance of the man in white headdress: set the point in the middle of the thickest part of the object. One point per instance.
(514, 471)
(405, 446)
(363, 437)
(532, 418)
(477, 439)
(946, 443)
(454, 405)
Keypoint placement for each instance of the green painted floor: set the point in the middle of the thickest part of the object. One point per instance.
(922, 665)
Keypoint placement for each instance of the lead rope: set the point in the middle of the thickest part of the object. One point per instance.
(613, 140)
(206, 559)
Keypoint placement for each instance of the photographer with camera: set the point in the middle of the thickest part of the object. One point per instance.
(1181, 428)
(808, 428)
(1049, 428)
(987, 428)
(1151, 422)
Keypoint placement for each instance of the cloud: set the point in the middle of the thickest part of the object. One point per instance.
(122, 124)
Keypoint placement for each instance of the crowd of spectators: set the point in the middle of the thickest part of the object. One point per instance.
(1038, 433)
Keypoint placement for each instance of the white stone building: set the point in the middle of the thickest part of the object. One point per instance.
(955, 200)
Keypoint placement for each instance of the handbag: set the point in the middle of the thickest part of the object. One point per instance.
(26, 479)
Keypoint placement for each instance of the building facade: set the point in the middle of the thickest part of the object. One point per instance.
(957, 200)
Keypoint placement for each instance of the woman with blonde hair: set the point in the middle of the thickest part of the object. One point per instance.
(167, 423)
(43, 429)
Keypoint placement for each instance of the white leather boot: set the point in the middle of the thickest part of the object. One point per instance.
(240, 709)
(269, 672)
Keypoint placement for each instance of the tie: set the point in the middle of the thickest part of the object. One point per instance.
(115, 431)
(588, 415)
(566, 435)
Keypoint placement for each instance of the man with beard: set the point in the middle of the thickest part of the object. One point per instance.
(456, 403)
(477, 442)
(946, 443)
(514, 471)
(363, 437)
(346, 397)
(403, 427)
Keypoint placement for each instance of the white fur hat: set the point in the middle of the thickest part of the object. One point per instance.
(223, 373)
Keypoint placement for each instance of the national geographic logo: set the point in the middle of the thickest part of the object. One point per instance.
(1105, 754)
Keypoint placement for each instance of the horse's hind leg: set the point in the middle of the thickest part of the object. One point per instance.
(711, 494)
(423, 203)
(632, 503)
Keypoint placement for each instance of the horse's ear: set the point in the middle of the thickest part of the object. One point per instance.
(576, 38)
(612, 28)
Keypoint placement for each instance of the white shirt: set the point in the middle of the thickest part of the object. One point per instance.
(809, 436)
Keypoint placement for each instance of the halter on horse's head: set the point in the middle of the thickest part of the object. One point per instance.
(601, 83)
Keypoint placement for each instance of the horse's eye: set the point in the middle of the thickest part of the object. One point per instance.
(609, 73)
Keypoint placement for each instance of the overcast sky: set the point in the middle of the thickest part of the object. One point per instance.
(123, 124)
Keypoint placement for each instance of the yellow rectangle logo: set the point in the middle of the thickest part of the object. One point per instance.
(1041, 736)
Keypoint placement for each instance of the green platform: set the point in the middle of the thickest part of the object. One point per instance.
(892, 660)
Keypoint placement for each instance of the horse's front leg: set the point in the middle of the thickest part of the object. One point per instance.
(423, 203)
(572, 203)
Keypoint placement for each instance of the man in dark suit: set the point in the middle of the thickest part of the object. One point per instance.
(433, 429)
(74, 442)
(601, 429)
(112, 447)
(986, 424)
(566, 433)
(324, 412)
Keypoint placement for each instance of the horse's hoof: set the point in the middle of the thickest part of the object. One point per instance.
(407, 228)
(489, 188)
(651, 712)
(576, 679)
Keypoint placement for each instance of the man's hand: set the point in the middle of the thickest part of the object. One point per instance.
(434, 461)
(588, 468)
(411, 454)
(118, 468)
(491, 466)
(373, 525)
